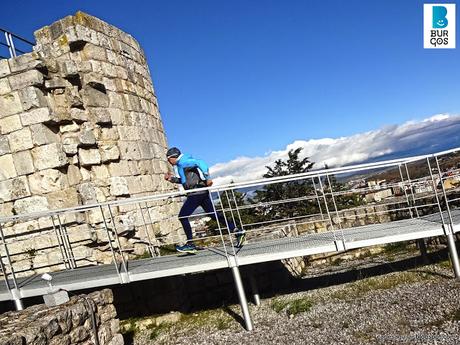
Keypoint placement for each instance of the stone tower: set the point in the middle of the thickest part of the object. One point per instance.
(80, 124)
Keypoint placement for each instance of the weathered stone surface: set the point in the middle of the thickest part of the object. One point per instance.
(118, 186)
(32, 97)
(120, 168)
(20, 140)
(28, 78)
(23, 163)
(7, 168)
(10, 124)
(46, 181)
(94, 98)
(31, 204)
(89, 157)
(109, 152)
(87, 138)
(4, 86)
(87, 193)
(49, 156)
(14, 189)
(100, 115)
(10, 104)
(4, 146)
(34, 116)
(129, 150)
(78, 115)
(73, 175)
(4, 68)
(71, 127)
(63, 198)
(42, 135)
(70, 144)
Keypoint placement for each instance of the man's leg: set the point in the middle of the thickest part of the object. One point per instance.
(189, 206)
(206, 203)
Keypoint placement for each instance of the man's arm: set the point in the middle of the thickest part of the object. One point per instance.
(171, 178)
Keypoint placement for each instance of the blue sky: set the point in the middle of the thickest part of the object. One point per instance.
(243, 78)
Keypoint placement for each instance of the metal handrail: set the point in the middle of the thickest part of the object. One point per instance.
(10, 43)
(230, 186)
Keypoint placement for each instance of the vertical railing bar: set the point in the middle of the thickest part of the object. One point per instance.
(405, 192)
(335, 207)
(411, 190)
(218, 224)
(117, 239)
(110, 242)
(150, 247)
(237, 210)
(317, 198)
(8, 257)
(444, 191)
(435, 189)
(67, 241)
(65, 259)
(226, 223)
(155, 247)
(327, 208)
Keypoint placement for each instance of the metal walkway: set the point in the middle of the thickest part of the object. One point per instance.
(428, 214)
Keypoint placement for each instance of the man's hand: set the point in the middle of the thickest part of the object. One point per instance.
(209, 183)
(168, 176)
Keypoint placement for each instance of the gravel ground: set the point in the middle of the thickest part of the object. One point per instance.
(418, 306)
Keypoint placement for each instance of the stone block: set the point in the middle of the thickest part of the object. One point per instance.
(134, 184)
(80, 233)
(57, 83)
(32, 97)
(31, 204)
(25, 62)
(109, 152)
(28, 78)
(78, 115)
(10, 104)
(87, 193)
(134, 168)
(69, 127)
(49, 156)
(56, 298)
(89, 156)
(99, 115)
(145, 149)
(94, 97)
(4, 145)
(87, 138)
(38, 115)
(23, 163)
(118, 186)
(128, 132)
(109, 134)
(129, 150)
(46, 181)
(69, 68)
(73, 175)
(6, 209)
(7, 168)
(10, 124)
(63, 198)
(4, 86)
(4, 68)
(70, 143)
(42, 135)
(93, 52)
(120, 168)
(13, 189)
(20, 140)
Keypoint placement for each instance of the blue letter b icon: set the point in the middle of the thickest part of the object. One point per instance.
(439, 17)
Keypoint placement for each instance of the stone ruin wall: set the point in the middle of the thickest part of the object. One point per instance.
(69, 323)
(80, 124)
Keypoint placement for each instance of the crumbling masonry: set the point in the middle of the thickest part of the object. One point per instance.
(79, 124)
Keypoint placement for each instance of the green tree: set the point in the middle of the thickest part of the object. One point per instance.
(286, 199)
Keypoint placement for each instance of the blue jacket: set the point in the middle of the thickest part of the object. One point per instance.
(192, 172)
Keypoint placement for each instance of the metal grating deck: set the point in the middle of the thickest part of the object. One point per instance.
(251, 253)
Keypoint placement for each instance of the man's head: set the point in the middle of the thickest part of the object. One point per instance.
(172, 154)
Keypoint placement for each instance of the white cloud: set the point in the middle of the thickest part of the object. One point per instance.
(428, 135)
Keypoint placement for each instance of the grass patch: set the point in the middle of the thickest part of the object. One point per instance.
(361, 287)
(291, 307)
(397, 247)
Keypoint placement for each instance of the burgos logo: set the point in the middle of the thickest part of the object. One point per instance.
(439, 26)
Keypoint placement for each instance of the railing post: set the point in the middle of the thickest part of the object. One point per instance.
(317, 198)
(405, 192)
(242, 297)
(62, 248)
(110, 245)
(150, 246)
(449, 232)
